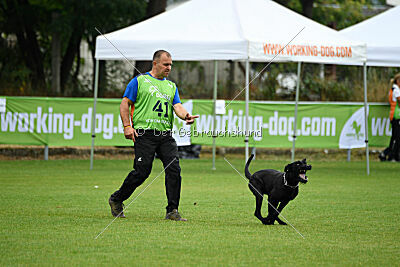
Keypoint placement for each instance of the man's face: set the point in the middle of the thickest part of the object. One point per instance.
(162, 66)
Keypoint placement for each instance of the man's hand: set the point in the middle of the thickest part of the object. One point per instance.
(130, 133)
(190, 118)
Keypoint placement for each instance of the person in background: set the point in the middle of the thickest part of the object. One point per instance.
(391, 153)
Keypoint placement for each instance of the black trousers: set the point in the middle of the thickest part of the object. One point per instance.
(395, 141)
(147, 144)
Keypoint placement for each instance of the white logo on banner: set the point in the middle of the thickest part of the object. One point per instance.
(353, 132)
(183, 140)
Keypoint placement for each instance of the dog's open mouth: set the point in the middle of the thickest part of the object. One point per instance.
(303, 176)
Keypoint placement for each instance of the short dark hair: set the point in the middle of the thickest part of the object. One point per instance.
(158, 54)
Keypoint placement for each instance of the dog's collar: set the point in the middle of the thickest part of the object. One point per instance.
(285, 182)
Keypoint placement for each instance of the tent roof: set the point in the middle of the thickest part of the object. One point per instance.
(381, 34)
(231, 30)
(195, 30)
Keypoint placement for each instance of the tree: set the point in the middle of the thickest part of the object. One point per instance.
(46, 28)
(120, 13)
(342, 13)
(19, 19)
(307, 7)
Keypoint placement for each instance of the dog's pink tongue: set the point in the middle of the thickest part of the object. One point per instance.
(303, 176)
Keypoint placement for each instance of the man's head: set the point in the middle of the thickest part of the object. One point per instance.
(162, 64)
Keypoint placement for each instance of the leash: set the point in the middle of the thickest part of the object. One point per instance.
(126, 207)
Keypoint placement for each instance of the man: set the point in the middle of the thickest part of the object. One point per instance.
(391, 153)
(154, 99)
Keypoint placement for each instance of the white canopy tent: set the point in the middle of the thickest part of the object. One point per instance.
(231, 30)
(381, 34)
(244, 30)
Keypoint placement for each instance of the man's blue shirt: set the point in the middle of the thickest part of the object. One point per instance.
(132, 88)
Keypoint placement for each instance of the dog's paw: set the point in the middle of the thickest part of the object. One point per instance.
(268, 221)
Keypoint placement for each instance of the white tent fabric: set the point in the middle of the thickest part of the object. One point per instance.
(269, 26)
(381, 34)
(252, 30)
(196, 30)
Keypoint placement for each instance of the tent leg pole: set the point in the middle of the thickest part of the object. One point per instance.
(96, 84)
(295, 109)
(214, 112)
(366, 117)
(46, 152)
(246, 124)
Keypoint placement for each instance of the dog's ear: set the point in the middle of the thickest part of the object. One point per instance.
(286, 168)
(290, 166)
(304, 161)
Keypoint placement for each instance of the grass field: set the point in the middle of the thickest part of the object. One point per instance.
(51, 213)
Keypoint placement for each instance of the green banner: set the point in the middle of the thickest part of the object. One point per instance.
(271, 124)
(61, 122)
(67, 122)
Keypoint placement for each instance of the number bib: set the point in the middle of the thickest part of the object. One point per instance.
(153, 105)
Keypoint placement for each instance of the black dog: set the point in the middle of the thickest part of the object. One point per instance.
(281, 187)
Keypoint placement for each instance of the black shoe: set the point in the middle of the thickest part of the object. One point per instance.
(175, 216)
(117, 208)
(382, 156)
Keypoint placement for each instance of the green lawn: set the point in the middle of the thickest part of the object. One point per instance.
(51, 213)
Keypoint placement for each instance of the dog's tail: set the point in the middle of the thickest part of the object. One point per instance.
(246, 169)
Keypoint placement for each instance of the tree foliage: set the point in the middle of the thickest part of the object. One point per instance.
(34, 23)
(337, 14)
